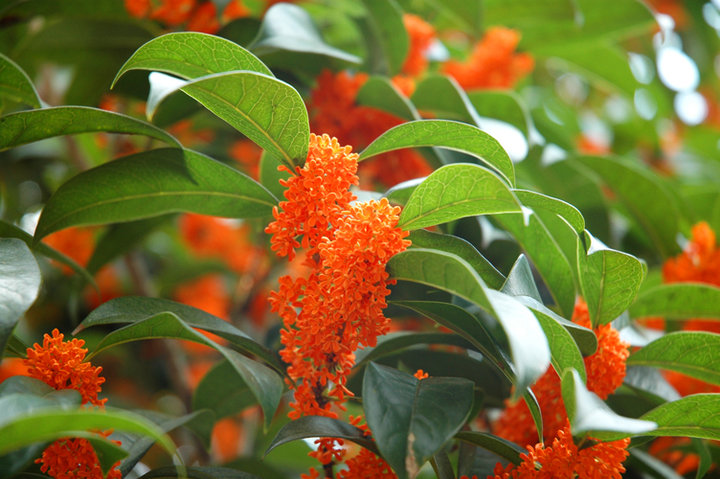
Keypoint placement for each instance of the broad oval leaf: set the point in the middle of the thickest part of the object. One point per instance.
(15, 85)
(320, 426)
(392, 342)
(379, 92)
(566, 211)
(287, 27)
(564, 352)
(452, 135)
(129, 309)
(265, 384)
(19, 285)
(502, 105)
(678, 301)
(268, 111)
(412, 419)
(197, 472)
(24, 127)
(386, 37)
(191, 55)
(456, 191)
(495, 444)
(442, 96)
(609, 280)
(694, 353)
(153, 183)
(217, 394)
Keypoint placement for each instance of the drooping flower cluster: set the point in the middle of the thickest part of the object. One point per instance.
(421, 35)
(337, 307)
(197, 15)
(493, 62)
(700, 262)
(61, 365)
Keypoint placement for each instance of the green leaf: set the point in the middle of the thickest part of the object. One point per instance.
(520, 281)
(379, 92)
(265, 384)
(387, 39)
(565, 354)
(287, 27)
(678, 301)
(442, 96)
(444, 134)
(15, 85)
(24, 127)
(217, 394)
(642, 192)
(191, 55)
(197, 472)
(319, 426)
(8, 230)
(610, 281)
(268, 111)
(153, 183)
(392, 342)
(495, 444)
(19, 285)
(47, 424)
(539, 201)
(590, 416)
(528, 345)
(129, 309)
(456, 191)
(412, 419)
(501, 105)
(694, 353)
(460, 247)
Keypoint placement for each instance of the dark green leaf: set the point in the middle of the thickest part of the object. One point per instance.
(19, 285)
(24, 127)
(287, 27)
(15, 85)
(609, 280)
(520, 281)
(268, 111)
(222, 397)
(319, 426)
(191, 55)
(153, 183)
(379, 92)
(694, 353)
(460, 247)
(387, 38)
(563, 350)
(444, 134)
(412, 419)
(131, 309)
(502, 447)
(442, 466)
(197, 472)
(393, 342)
(265, 384)
(678, 301)
(589, 415)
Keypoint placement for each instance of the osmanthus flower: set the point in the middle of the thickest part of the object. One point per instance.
(199, 16)
(61, 365)
(421, 35)
(700, 262)
(76, 242)
(493, 62)
(605, 372)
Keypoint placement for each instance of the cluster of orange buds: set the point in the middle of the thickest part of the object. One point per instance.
(197, 16)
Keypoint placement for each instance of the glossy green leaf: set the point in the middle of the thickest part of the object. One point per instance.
(412, 419)
(129, 309)
(610, 281)
(197, 472)
(694, 353)
(379, 92)
(19, 285)
(24, 127)
(520, 281)
(217, 394)
(287, 27)
(460, 247)
(15, 85)
(393, 342)
(495, 444)
(153, 183)
(528, 345)
(501, 105)
(319, 426)
(191, 55)
(647, 199)
(678, 301)
(544, 250)
(444, 134)
(565, 354)
(539, 201)
(589, 415)
(385, 34)
(456, 191)
(8, 230)
(265, 384)
(442, 96)
(268, 111)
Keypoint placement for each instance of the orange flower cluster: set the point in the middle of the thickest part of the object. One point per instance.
(421, 35)
(75, 459)
(605, 372)
(199, 16)
(76, 242)
(60, 364)
(700, 262)
(564, 460)
(493, 62)
(338, 307)
(333, 109)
